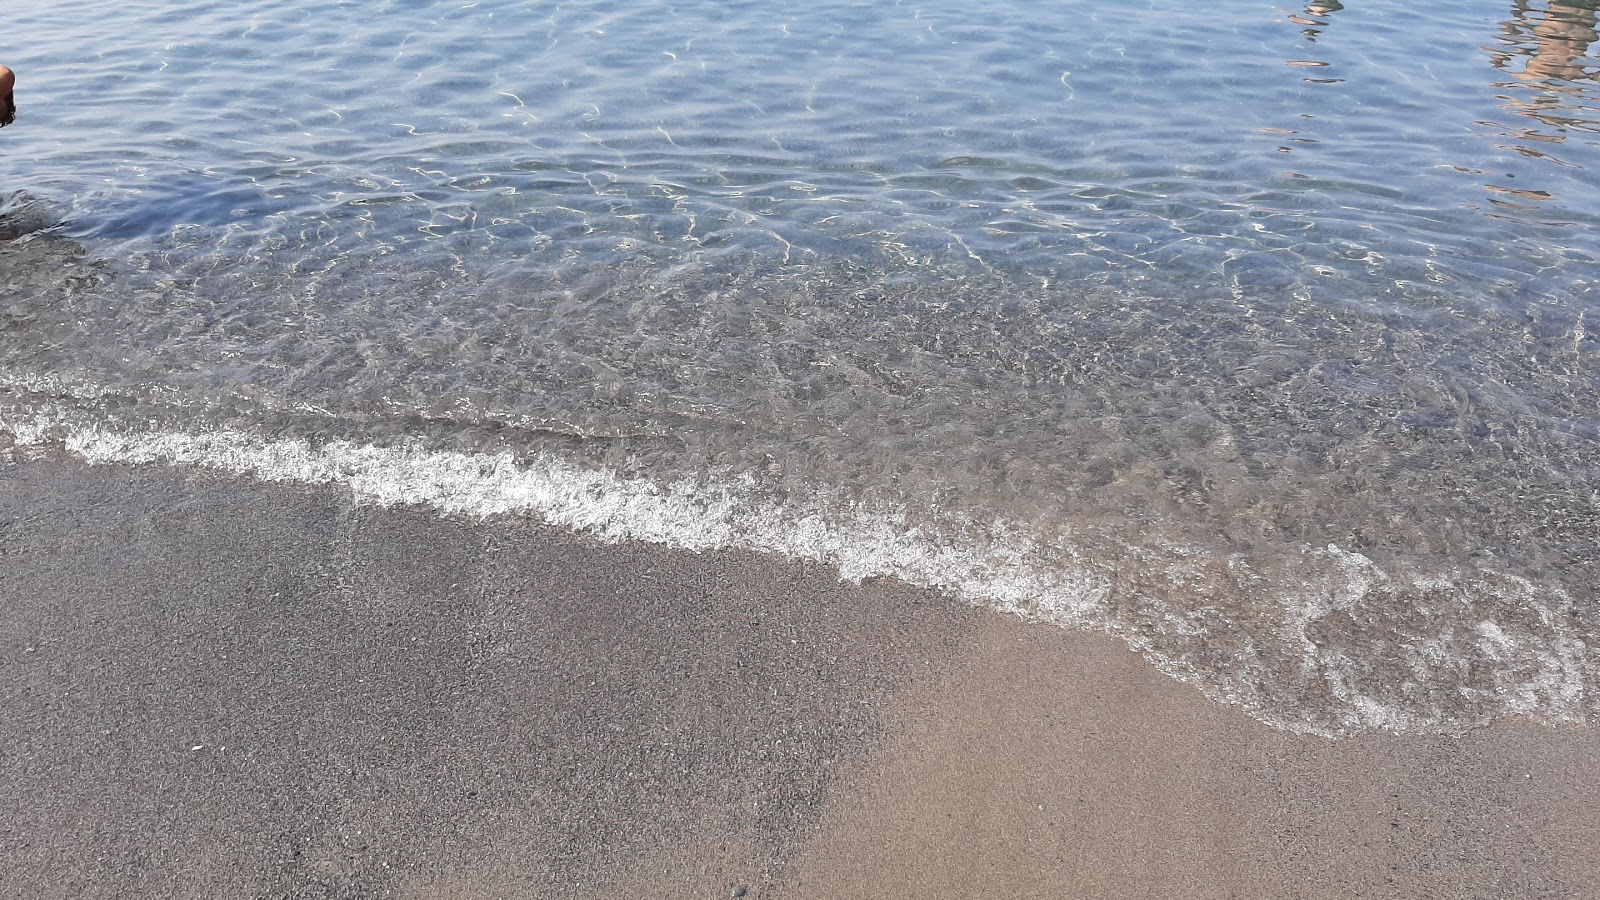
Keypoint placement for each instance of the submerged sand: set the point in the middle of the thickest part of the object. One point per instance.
(213, 687)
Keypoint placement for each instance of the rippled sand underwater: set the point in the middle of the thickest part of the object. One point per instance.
(1263, 337)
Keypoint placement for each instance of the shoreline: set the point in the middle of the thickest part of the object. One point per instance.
(1318, 640)
(228, 688)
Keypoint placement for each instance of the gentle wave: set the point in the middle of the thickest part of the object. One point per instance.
(1348, 647)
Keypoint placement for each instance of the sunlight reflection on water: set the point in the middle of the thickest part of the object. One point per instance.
(1203, 301)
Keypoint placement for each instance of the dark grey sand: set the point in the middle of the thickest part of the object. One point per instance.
(221, 688)
(212, 687)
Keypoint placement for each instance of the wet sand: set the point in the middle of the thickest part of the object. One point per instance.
(214, 687)
(1059, 765)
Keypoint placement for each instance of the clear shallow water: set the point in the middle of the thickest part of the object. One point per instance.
(1264, 336)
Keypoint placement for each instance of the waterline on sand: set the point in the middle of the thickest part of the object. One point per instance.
(1346, 648)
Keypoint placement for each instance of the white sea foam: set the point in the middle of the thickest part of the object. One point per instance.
(1374, 646)
(681, 515)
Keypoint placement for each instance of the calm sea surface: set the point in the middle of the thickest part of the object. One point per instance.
(1265, 336)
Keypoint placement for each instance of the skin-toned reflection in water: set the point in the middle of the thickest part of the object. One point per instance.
(1315, 17)
(1562, 36)
(1544, 49)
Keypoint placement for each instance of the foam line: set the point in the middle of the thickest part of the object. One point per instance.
(1437, 671)
(680, 515)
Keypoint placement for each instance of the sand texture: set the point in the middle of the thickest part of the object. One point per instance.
(213, 687)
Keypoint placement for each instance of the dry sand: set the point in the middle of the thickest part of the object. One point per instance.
(219, 688)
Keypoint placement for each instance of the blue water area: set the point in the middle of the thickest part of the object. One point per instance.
(1269, 138)
(1163, 287)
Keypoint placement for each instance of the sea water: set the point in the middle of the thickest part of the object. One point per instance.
(1265, 336)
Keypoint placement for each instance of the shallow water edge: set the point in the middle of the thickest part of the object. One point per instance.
(1343, 647)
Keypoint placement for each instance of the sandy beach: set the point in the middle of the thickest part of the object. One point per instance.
(214, 687)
